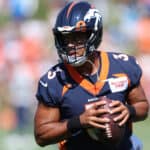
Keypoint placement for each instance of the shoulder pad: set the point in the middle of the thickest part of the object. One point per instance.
(130, 66)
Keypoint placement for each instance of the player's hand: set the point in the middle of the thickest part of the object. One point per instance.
(122, 110)
(92, 115)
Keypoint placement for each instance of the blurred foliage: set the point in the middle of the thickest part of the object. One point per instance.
(4, 18)
(41, 13)
(43, 10)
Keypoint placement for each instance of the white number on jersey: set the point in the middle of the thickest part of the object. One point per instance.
(52, 74)
(123, 57)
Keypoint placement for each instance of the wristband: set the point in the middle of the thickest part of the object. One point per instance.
(74, 124)
(132, 111)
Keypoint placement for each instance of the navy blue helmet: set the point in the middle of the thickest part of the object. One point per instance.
(73, 18)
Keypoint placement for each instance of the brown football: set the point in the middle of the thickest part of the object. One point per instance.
(113, 133)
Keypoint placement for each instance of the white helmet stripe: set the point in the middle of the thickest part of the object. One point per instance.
(65, 28)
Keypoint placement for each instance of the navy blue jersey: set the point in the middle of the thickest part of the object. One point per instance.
(63, 87)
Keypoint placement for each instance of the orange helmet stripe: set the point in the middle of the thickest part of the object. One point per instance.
(70, 8)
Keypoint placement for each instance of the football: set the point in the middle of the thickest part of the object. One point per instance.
(113, 132)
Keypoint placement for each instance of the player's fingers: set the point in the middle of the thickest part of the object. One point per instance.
(99, 104)
(102, 111)
(96, 112)
(95, 105)
(119, 117)
(115, 103)
(124, 120)
(91, 112)
(97, 125)
(116, 110)
(100, 120)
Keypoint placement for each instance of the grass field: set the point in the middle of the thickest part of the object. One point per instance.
(142, 130)
(25, 141)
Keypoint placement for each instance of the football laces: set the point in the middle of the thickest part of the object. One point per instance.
(108, 131)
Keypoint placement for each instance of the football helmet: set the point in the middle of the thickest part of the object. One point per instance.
(77, 17)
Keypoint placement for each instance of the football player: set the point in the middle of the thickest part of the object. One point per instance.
(82, 76)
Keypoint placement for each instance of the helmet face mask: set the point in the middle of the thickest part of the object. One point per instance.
(74, 47)
(79, 25)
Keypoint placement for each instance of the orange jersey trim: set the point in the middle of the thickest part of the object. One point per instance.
(65, 89)
(87, 85)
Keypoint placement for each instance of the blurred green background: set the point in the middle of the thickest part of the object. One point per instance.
(27, 50)
(23, 141)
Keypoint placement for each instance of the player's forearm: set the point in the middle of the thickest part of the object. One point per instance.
(141, 109)
(50, 133)
(138, 100)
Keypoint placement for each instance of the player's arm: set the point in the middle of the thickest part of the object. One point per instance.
(47, 127)
(137, 106)
(136, 109)
(136, 97)
(138, 101)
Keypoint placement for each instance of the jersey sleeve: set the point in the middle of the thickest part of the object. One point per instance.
(129, 65)
(134, 71)
(45, 94)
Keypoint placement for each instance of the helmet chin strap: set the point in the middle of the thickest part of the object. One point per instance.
(79, 60)
(74, 60)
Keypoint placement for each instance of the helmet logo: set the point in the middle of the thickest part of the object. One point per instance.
(93, 14)
(81, 26)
